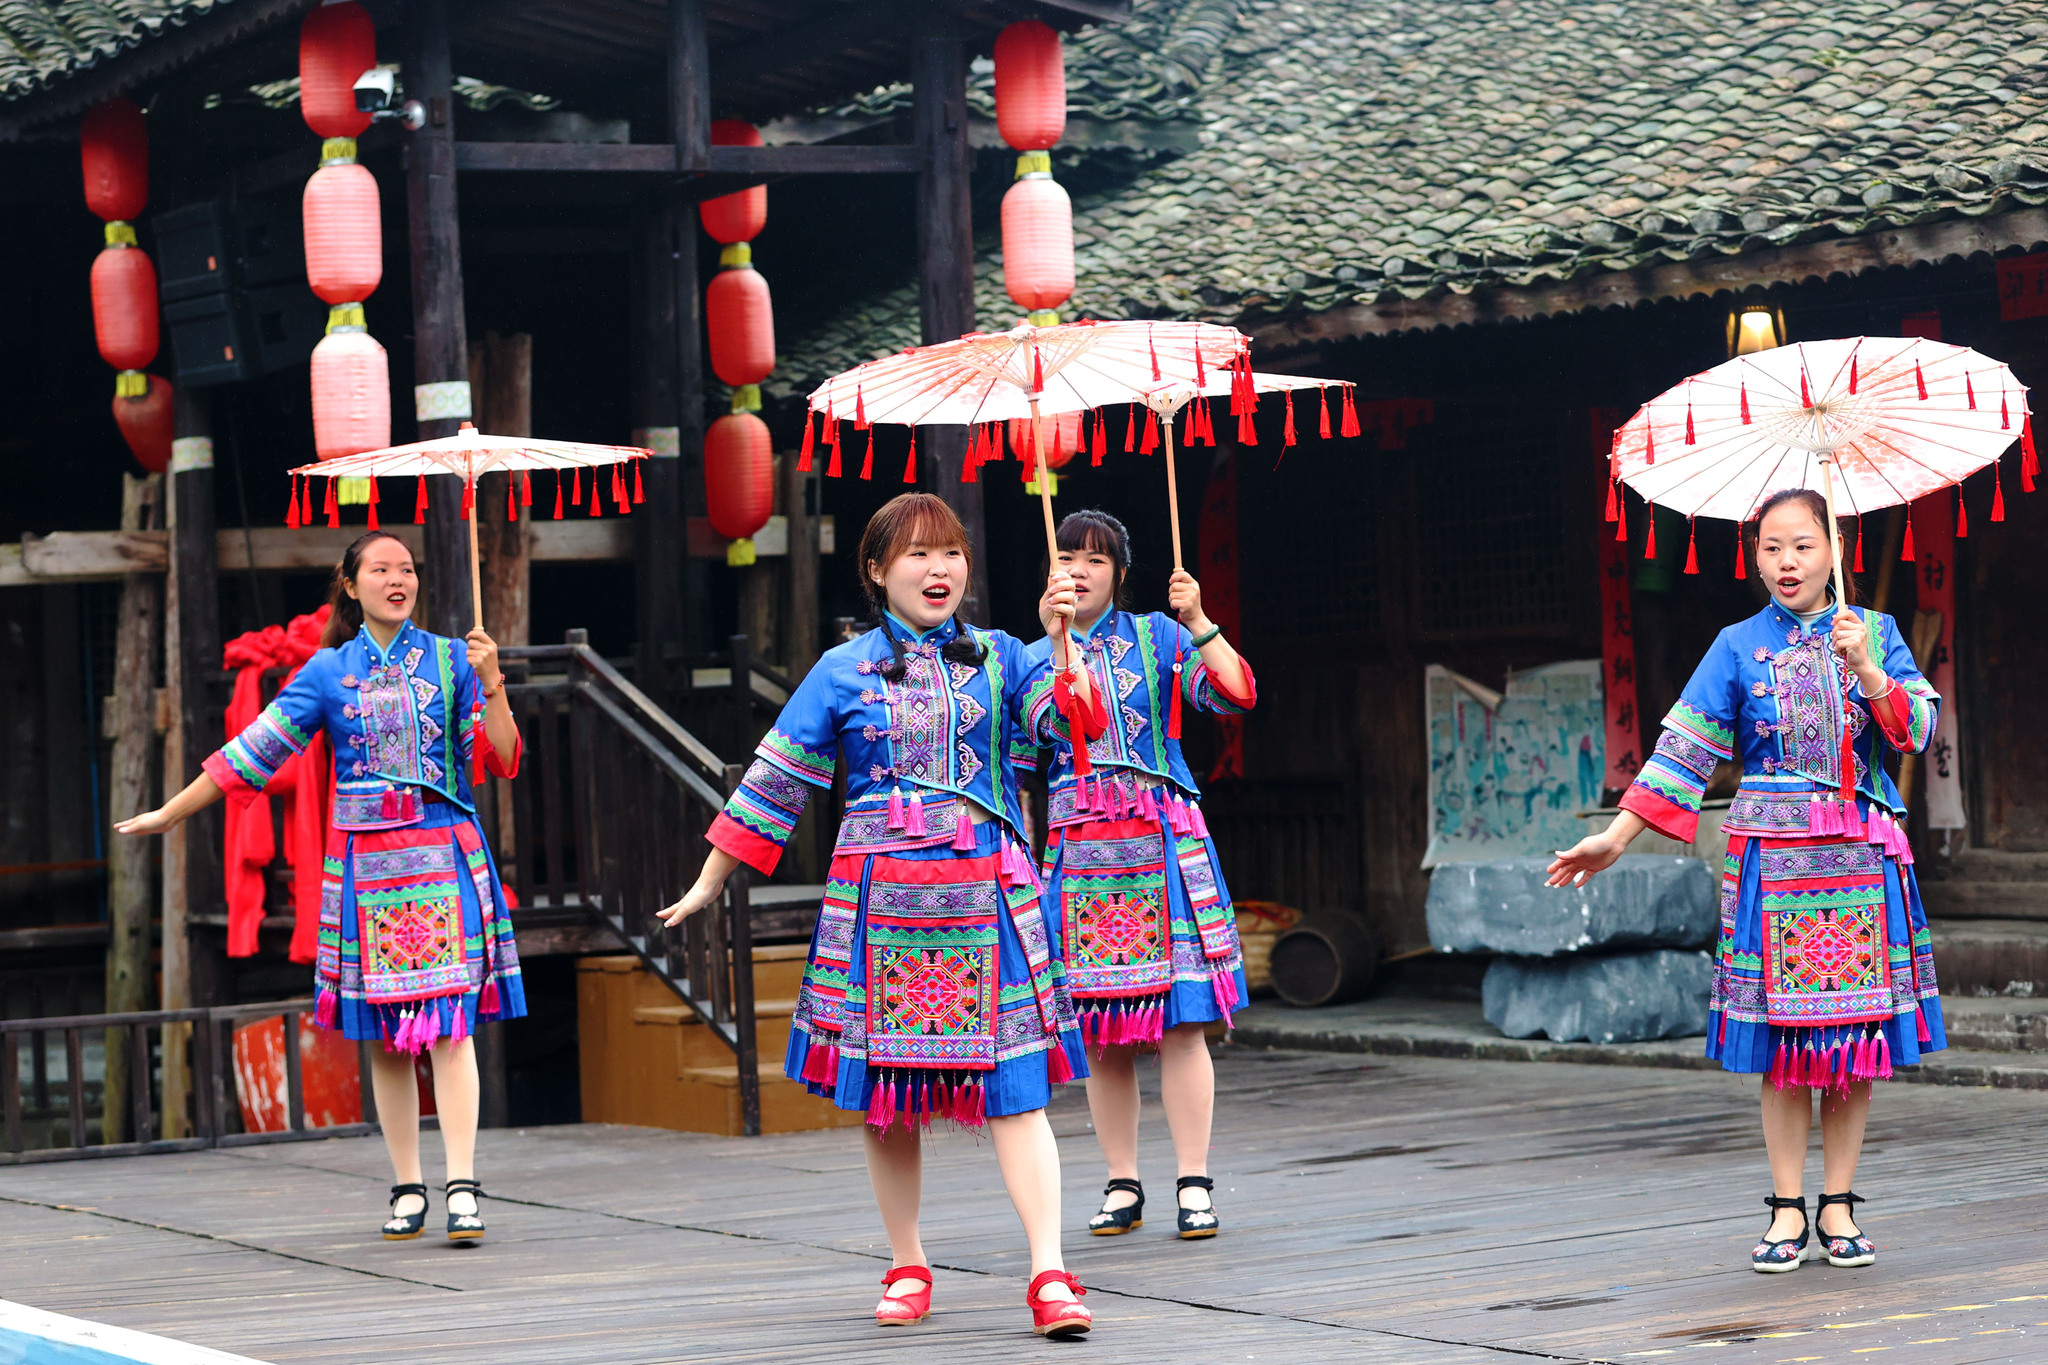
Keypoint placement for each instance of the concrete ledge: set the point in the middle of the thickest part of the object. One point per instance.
(1456, 1029)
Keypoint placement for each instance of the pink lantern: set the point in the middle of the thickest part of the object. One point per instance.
(1038, 243)
(351, 394)
(344, 233)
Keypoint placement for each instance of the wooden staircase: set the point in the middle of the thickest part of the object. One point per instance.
(651, 1061)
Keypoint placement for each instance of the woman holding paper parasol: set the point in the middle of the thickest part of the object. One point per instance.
(1824, 978)
(416, 945)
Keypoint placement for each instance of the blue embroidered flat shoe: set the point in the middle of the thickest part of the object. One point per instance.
(1775, 1258)
(464, 1227)
(1852, 1250)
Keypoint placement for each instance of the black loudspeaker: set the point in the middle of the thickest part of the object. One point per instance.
(233, 281)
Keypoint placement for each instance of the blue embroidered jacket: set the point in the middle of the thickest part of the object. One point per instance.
(914, 748)
(1771, 693)
(1132, 661)
(401, 720)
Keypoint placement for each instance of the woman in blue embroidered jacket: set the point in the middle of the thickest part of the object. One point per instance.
(1823, 977)
(1132, 878)
(416, 946)
(934, 987)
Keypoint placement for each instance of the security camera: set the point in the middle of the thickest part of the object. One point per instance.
(375, 89)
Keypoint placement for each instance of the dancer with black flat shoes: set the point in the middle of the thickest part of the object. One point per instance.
(1131, 875)
(1824, 978)
(416, 944)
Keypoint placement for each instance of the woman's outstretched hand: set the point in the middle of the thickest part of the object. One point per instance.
(149, 822)
(1594, 853)
(695, 899)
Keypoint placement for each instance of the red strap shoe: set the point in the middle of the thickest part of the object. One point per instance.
(1057, 1317)
(900, 1310)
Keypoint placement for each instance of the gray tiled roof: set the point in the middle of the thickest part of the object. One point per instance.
(45, 39)
(1357, 150)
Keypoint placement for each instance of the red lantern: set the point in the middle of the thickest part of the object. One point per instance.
(124, 307)
(113, 146)
(337, 43)
(741, 322)
(351, 394)
(1038, 243)
(146, 424)
(735, 217)
(1060, 435)
(1031, 86)
(739, 490)
(344, 233)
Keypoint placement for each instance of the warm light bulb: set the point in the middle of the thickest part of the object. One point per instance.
(1756, 331)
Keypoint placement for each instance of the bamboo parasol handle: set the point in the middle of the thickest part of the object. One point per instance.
(1052, 535)
(1172, 490)
(1827, 484)
(476, 573)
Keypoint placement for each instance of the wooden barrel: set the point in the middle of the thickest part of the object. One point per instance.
(1325, 959)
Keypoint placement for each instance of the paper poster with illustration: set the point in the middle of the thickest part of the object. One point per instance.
(1508, 773)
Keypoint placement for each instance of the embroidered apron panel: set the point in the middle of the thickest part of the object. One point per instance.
(1213, 918)
(821, 1003)
(1113, 909)
(1824, 937)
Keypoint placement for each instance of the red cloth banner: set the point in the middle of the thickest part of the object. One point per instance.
(2023, 287)
(1617, 637)
(1216, 568)
(1934, 559)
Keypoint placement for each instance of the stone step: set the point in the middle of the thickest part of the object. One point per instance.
(1959, 898)
(1997, 865)
(1991, 957)
(1994, 1024)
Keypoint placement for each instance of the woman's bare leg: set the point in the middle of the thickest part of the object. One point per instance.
(457, 1096)
(1187, 1085)
(1842, 1116)
(1788, 1126)
(1030, 1162)
(1113, 1104)
(896, 1170)
(398, 1115)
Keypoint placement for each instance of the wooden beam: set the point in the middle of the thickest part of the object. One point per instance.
(945, 251)
(755, 164)
(440, 328)
(1926, 244)
(130, 877)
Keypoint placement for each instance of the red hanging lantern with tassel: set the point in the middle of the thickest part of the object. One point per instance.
(1031, 86)
(145, 422)
(124, 308)
(1038, 241)
(343, 229)
(337, 44)
(737, 217)
(351, 393)
(739, 490)
(739, 317)
(113, 150)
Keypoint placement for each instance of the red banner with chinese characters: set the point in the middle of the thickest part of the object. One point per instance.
(1617, 637)
(1934, 539)
(2023, 287)
(1215, 567)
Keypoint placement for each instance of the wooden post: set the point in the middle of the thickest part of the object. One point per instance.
(945, 253)
(658, 538)
(441, 398)
(689, 99)
(193, 880)
(130, 902)
(506, 409)
(802, 626)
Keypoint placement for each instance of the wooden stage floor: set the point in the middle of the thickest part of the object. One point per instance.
(1376, 1209)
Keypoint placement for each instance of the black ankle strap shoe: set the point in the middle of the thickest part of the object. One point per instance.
(1196, 1223)
(1775, 1258)
(404, 1227)
(1117, 1222)
(465, 1227)
(1853, 1250)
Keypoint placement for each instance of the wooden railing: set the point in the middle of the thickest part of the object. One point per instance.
(214, 1119)
(609, 820)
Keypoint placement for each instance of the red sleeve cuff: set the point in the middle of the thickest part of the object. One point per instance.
(750, 848)
(1251, 685)
(484, 757)
(1668, 819)
(1894, 716)
(238, 792)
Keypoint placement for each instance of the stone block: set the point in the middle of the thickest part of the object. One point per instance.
(1502, 906)
(1605, 998)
